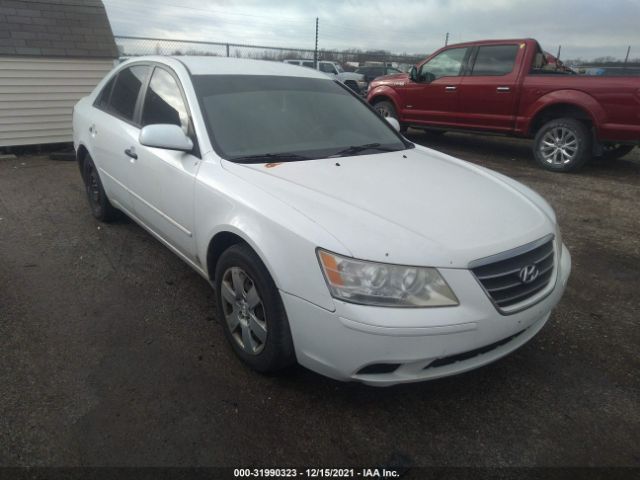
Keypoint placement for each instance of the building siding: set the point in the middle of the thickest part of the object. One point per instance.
(37, 96)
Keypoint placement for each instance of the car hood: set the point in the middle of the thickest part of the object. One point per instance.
(393, 79)
(416, 207)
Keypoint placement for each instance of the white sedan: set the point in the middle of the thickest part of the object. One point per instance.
(329, 238)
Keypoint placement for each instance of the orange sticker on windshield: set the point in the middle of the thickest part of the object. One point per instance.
(271, 165)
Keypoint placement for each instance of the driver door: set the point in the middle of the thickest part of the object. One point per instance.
(434, 98)
(165, 179)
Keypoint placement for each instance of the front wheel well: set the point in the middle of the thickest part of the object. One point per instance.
(219, 243)
(559, 110)
(380, 98)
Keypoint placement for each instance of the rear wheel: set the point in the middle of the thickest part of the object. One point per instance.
(562, 145)
(387, 109)
(101, 208)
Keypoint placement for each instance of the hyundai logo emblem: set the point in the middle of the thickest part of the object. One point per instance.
(529, 273)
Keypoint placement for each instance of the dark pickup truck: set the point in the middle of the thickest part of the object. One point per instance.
(507, 87)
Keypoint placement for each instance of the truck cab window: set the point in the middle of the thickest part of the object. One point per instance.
(446, 64)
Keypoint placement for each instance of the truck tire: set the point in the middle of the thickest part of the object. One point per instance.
(562, 145)
(387, 109)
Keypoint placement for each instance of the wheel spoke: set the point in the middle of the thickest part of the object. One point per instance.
(238, 284)
(258, 328)
(233, 320)
(248, 342)
(253, 299)
(227, 293)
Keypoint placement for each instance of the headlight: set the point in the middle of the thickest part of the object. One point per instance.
(384, 285)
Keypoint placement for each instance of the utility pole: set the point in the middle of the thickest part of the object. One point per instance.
(558, 55)
(626, 59)
(446, 39)
(315, 52)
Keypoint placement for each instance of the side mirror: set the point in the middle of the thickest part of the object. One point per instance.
(393, 122)
(413, 73)
(170, 137)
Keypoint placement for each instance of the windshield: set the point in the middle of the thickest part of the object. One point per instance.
(257, 115)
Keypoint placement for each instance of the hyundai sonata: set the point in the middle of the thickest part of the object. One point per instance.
(329, 238)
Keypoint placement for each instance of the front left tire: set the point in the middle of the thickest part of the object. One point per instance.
(249, 305)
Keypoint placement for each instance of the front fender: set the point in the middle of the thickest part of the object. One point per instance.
(384, 92)
(576, 98)
(284, 239)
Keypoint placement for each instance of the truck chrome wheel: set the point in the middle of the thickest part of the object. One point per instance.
(243, 310)
(559, 146)
(383, 109)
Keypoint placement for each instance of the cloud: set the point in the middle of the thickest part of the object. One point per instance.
(584, 28)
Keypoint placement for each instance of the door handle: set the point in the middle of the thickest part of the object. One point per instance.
(131, 152)
(503, 89)
(92, 130)
(450, 88)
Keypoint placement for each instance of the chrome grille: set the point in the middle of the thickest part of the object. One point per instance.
(503, 276)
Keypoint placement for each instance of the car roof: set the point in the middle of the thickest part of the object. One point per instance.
(209, 65)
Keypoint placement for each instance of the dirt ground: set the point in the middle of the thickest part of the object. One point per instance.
(111, 354)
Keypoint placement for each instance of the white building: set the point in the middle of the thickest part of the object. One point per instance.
(52, 53)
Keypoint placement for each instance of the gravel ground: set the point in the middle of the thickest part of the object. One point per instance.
(111, 354)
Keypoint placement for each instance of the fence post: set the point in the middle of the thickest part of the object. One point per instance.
(227, 49)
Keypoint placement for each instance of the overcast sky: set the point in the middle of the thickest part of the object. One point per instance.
(584, 28)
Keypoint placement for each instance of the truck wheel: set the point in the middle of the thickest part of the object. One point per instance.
(562, 145)
(612, 151)
(386, 109)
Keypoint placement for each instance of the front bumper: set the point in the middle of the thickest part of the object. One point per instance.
(340, 344)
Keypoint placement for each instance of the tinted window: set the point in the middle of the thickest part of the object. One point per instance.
(163, 102)
(495, 60)
(103, 97)
(315, 118)
(327, 68)
(125, 92)
(307, 64)
(446, 64)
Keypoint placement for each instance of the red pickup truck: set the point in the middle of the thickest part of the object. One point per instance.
(507, 87)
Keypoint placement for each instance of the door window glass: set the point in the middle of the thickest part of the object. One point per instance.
(163, 102)
(495, 60)
(446, 64)
(103, 98)
(126, 90)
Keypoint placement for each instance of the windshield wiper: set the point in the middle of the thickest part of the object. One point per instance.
(270, 157)
(352, 150)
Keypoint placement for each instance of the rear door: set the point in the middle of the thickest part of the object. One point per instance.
(489, 93)
(433, 99)
(163, 184)
(114, 129)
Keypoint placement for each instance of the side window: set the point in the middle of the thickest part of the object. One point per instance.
(103, 97)
(495, 60)
(327, 68)
(307, 64)
(126, 90)
(163, 102)
(446, 64)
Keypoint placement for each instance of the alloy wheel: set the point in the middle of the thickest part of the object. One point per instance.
(243, 310)
(559, 146)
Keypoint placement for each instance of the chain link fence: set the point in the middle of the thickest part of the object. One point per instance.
(135, 46)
